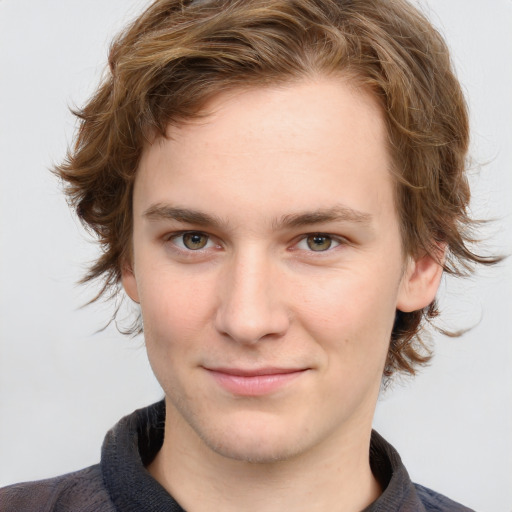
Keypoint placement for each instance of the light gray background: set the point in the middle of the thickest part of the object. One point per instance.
(62, 385)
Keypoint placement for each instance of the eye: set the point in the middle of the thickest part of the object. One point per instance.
(192, 240)
(318, 242)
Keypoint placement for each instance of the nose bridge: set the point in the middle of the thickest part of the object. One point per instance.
(252, 304)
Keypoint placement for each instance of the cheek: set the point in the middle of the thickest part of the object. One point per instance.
(173, 323)
(352, 312)
(174, 312)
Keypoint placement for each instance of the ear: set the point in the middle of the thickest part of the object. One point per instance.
(420, 281)
(129, 282)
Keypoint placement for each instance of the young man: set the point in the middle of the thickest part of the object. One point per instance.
(279, 185)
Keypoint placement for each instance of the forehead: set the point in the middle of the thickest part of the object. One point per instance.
(304, 145)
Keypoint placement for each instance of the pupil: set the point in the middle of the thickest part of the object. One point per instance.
(319, 242)
(194, 240)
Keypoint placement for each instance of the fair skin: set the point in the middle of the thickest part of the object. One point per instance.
(268, 265)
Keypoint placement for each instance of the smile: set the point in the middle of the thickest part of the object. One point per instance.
(254, 382)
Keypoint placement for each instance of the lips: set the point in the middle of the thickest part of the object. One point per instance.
(254, 382)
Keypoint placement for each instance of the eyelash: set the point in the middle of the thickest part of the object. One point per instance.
(337, 240)
(331, 238)
(176, 236)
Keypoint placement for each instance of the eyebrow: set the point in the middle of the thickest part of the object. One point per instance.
(185, 215)
(336, 213)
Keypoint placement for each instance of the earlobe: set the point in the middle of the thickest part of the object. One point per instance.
(130, 283)
(420, 282)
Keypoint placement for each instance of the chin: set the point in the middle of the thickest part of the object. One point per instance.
(258, 443)
(255, 451)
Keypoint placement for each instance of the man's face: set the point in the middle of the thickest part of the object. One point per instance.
(267, 262)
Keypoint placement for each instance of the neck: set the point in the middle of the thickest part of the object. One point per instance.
(334, 476)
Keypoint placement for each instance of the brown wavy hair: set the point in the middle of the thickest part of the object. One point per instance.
(165, 66)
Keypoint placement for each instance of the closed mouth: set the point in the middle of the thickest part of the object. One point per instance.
(254, 382)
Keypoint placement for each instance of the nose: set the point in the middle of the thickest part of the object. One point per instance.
(252, 305)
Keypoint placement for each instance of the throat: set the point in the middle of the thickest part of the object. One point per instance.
(199, 480)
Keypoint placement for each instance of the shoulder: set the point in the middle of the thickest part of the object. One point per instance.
(81, 491)
(435, 502)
